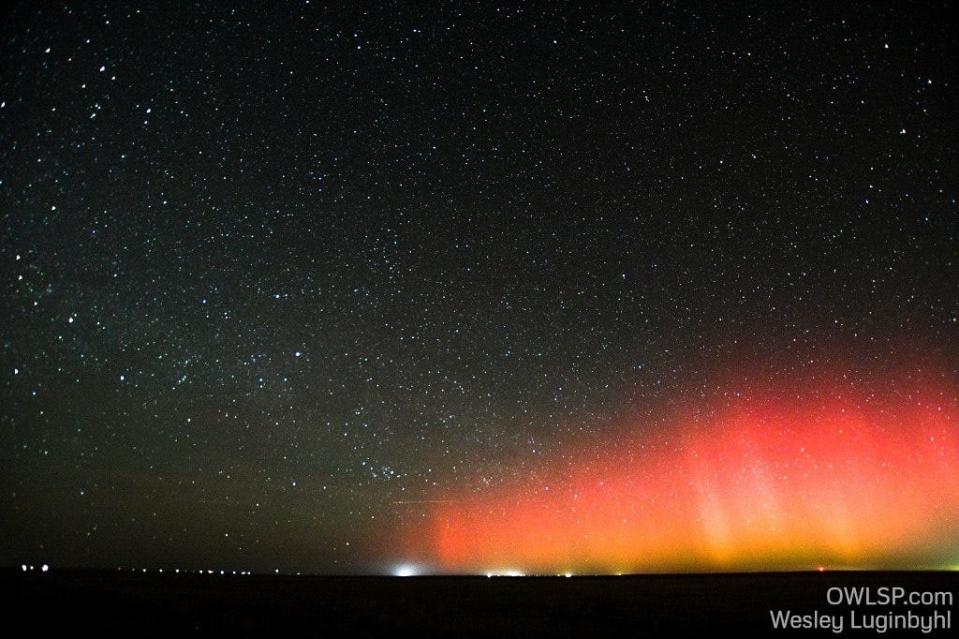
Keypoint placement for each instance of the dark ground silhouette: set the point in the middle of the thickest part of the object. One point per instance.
(629, 606)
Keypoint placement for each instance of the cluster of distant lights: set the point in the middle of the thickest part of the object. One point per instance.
(413, 570)
(175, 571)
(32, 568)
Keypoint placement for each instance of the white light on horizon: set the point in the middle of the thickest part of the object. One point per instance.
(511, 572)
(405, 570)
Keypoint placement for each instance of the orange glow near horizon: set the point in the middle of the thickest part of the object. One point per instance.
(834, 477)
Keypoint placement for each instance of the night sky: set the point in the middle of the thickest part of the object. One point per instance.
(301, 288)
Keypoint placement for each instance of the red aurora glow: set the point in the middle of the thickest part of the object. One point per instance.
(834, 476)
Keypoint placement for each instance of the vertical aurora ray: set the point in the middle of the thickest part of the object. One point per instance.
(835, 476)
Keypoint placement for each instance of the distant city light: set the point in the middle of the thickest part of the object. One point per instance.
(44, 568)
(405, 570)
(505, 573)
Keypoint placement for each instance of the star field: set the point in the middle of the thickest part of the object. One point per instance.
(277, 277)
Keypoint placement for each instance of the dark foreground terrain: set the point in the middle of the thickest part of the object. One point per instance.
(631, 606)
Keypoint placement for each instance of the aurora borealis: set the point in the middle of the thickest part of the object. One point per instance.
(541, 287)
(794, 478)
